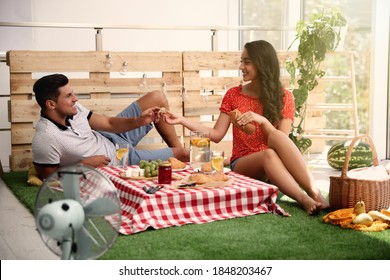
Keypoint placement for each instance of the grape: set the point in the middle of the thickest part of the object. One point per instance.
(150, 167)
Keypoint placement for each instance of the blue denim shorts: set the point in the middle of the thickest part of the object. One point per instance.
(233, 163)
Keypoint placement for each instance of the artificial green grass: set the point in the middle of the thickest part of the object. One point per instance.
(264, 236)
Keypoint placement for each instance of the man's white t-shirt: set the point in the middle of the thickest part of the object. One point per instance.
(55, 144)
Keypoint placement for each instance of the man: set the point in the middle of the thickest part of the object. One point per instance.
(68, 133)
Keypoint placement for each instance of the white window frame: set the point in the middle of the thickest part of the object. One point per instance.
(379, 83)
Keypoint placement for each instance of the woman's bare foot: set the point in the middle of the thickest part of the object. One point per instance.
(310, 205)
(322, 200)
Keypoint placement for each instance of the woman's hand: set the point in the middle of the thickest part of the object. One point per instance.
(171, 118)
(249, 117)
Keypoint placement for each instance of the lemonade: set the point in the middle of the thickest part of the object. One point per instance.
(199, 148)
(217, 163)
(122, 155)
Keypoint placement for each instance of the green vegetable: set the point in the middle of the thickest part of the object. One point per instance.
(150, 167)
(361, 155)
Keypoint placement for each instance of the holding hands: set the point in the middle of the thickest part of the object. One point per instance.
(169, 117)
(150, 115)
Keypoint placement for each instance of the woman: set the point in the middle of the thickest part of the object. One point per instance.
(267, 153)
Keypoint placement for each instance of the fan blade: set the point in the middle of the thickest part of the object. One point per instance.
(71, 186)
(83, 244)
(101, 206)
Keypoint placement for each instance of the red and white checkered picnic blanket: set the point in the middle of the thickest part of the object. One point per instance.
(175, 207)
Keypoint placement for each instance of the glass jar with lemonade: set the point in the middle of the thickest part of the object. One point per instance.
(217, 160)
(122, 155)
(199, 148)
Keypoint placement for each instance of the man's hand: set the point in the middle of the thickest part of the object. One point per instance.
(96, 161)
(149, 115)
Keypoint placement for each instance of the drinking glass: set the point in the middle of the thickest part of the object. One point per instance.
(217, 158)
(122, 155)
(199, 148)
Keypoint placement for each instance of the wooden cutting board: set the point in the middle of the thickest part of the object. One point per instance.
(210, 184)
(123, 176)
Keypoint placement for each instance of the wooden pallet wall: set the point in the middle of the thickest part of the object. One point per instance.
(100, 88)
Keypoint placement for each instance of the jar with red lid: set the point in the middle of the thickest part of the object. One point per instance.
(165, 173)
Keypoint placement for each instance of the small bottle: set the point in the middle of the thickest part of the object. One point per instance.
(164, 173)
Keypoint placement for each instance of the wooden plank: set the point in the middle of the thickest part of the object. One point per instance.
(92, 61)
(21, 85)
(211, 83)
(22, 133)
(219, 60)
(21, 156)
(205, 60)
(202, 105)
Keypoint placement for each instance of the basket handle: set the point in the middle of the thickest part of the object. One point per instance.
(349, 152)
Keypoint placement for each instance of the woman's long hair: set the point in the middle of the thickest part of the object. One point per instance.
(266, 61)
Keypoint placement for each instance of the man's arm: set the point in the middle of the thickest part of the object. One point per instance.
(121, 124)
(43, 171)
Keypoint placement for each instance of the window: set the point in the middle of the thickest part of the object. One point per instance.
(279, 14)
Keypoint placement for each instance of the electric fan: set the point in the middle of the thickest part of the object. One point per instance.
(77, 213)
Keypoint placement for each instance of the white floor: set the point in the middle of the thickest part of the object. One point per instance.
(19, 239)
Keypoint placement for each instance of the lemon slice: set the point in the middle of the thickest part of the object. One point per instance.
(203, 142)
(217, 163)
(194, 141)
(120, 153)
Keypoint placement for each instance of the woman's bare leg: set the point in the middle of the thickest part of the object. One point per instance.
(295, 164)
(268, 164)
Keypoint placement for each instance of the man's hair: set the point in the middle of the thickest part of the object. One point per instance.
(46, 88)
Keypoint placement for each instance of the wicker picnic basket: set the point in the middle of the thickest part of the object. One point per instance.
(345, 192)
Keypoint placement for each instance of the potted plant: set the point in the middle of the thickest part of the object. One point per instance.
(321, 34)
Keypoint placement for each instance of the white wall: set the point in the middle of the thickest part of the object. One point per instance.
(114, 12)
(142, 13)
(380, 73)
(10, 38)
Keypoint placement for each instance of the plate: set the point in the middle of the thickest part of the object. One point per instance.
(181, 169)
(123, 176)
(225, 170)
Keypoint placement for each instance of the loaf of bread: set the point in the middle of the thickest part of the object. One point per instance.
(249, 128)
(176, 164)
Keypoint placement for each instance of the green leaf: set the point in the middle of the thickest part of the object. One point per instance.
(318, 36)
